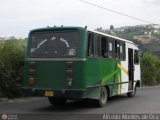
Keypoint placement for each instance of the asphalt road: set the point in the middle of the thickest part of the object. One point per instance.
(147, 100)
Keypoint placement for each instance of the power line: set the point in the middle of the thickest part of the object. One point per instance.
(117, 12)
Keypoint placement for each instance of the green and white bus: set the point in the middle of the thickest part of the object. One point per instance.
(64, 63)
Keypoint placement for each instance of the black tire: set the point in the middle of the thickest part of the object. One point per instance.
(57, 101)
(102, 101)
(131, 94)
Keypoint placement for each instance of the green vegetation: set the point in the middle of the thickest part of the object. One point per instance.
(129, 31)
(150, 69)
(12, 60)
(11, 67)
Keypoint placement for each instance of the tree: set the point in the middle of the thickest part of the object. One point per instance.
(111, 27)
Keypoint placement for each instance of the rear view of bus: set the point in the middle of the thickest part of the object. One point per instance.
(64, 63)
(54, 63)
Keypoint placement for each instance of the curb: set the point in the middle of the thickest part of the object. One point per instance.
(20, 100)
(3, 99)
(150, 86)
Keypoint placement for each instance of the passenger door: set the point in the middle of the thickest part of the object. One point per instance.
(130, 68)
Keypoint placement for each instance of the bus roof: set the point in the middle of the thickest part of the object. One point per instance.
(104, 34)
(55, 28)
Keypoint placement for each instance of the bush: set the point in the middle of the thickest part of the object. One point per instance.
(11, 67)
(150, 69)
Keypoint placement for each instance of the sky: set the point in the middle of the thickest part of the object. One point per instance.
(18, 17)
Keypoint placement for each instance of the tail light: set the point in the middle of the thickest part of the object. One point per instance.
(31, 81)
(69, 73)
(69, 65)
(32, 73)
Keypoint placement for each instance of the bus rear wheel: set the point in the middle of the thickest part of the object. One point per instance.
(57, 101)
(102, 101)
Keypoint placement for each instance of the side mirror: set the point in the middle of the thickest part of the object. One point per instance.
(140, 53)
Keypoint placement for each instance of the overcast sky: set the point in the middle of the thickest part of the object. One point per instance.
(18, 17)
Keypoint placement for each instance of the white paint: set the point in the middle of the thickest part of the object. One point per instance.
(72, 52)
(110, 46)
(33, 49)
(124, 76)
(65, 41)
(41, 43)
(121, 50)
(38, 46)
(53, 38)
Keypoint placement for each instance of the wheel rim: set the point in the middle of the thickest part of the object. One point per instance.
(103, 96)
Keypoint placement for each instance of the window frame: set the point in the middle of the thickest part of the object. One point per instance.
(117, 49)
(123, 54)
(99, 51)
(136, 57)
(111, 54)
(97, 47)
(33, 33)
(105, 45)
(94, 45)
(90, 45)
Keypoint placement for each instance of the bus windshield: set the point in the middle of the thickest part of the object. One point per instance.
(54, 44)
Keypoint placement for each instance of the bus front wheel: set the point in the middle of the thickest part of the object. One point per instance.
(57, 101)
(102, 101)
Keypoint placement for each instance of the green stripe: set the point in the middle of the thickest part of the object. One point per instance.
(106, 78)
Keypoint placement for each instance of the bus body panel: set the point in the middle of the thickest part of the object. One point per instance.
(53, 75)
(102, 72)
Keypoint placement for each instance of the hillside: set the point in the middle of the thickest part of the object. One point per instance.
(146, 36)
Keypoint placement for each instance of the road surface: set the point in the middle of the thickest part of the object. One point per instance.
(147, 100)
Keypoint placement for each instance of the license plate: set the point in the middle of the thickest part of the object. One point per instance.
(49, 93)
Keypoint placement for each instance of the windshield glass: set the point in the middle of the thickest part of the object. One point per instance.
(54, 44)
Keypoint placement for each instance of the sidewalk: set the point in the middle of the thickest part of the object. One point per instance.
(21, 99)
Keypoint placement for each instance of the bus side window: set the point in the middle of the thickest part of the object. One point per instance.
(90, 45)
(104, 46)
(97, 47)
(117, 49)
(110, 48)
(136, 57)
(122, 50)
